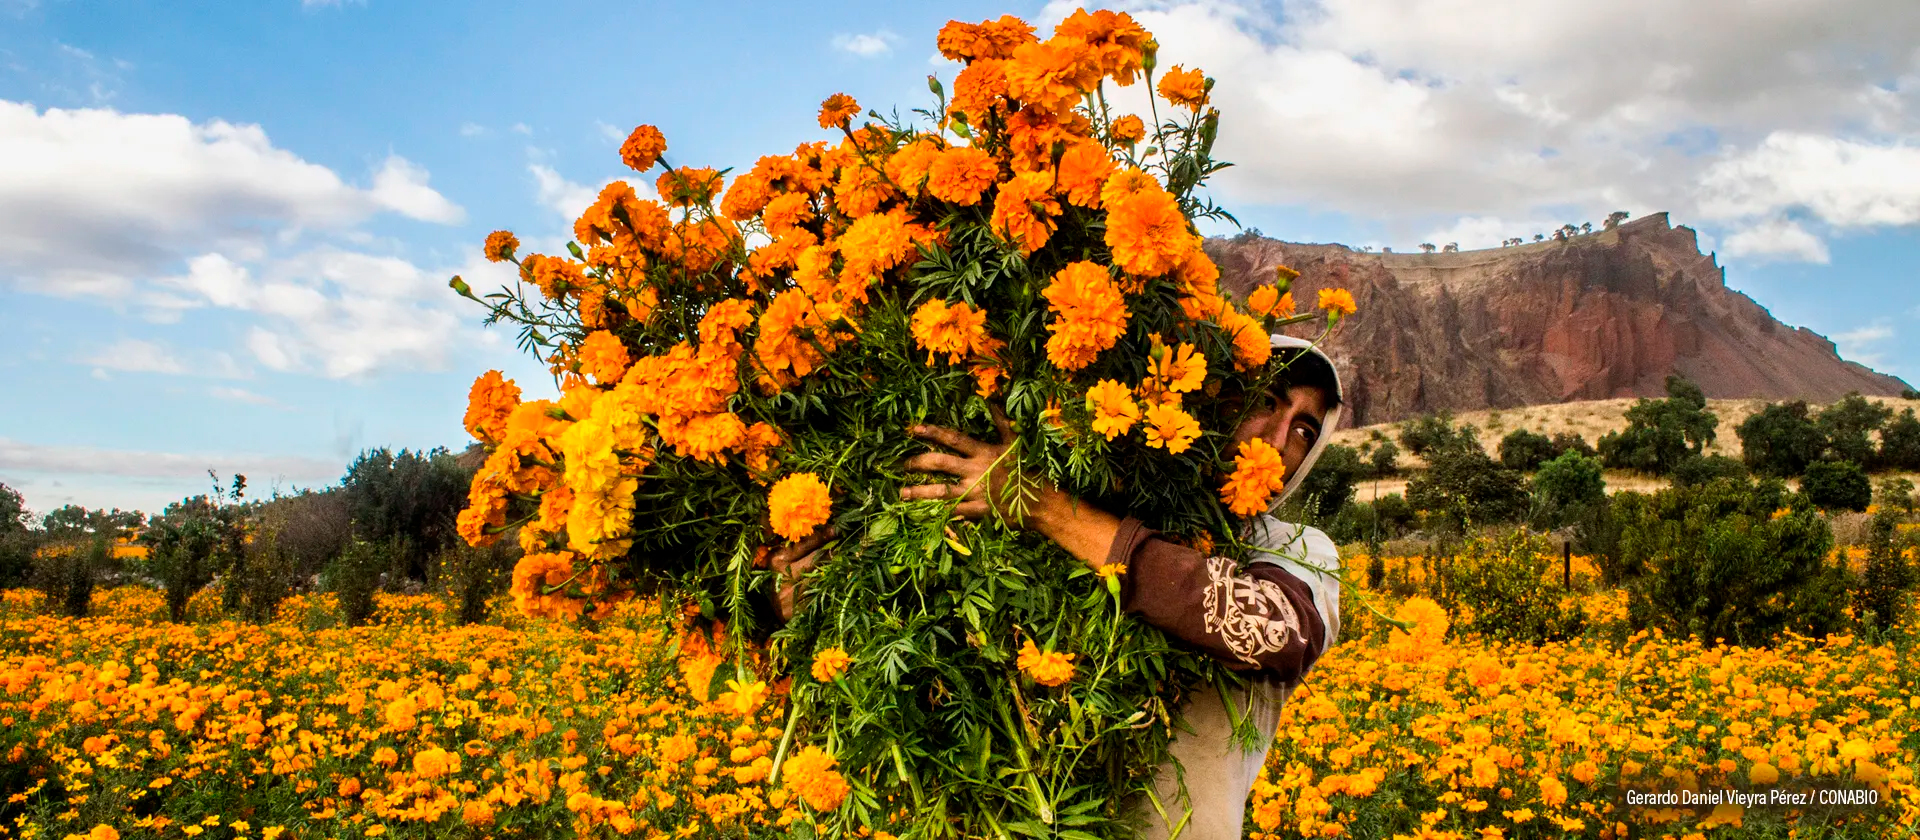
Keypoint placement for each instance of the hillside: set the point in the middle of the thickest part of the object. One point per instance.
(1602, 316)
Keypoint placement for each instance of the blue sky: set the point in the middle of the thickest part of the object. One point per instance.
(225, 229)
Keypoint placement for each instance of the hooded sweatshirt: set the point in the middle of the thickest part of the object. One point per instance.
(1272, 619)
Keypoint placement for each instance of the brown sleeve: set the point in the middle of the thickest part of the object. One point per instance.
(1261, 618)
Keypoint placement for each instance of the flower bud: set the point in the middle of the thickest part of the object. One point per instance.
(933, 84)
(460, 286)
(1148, 55)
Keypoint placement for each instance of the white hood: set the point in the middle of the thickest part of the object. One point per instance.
(1291, 347)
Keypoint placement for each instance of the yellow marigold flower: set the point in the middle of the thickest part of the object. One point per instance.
(1177, 371)
(1184, 87)
(961, 175)
(1339, 302)
(103, 832)
(1267, 301)
(830, 663)
(489, 402)
(643, 148)
(1128, 130)
(798, 504)
(1091, 314)
(1048, 668)
(1258, 473)
(837, 110)
(1148, 233)
(810, 775)
(385, 757)
(1170, 428)
(742, 697)
(1114, 411)
(500, 246)
(1111, 570)
(476, 813)
(957, 329)
(1024, 210)
(603, 357)
(434, 762)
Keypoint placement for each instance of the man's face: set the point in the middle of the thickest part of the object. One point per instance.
(1291, 424)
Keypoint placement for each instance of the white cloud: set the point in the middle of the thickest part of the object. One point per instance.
(866, 45)
(522, 128)
(1777, 239)
(472, 129)
(243, 395)
(1472, 232)
(88, 460)
(1857, 344)
(92, 200)
(135, 356)
(610, 133)
(569, 198)
(1425, 113)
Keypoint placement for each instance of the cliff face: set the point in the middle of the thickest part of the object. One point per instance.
(1600, 316)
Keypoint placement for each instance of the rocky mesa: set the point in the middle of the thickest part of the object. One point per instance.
(1596, 316)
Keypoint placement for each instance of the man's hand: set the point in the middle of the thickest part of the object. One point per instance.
(792, 562)
(980, 488)
(981, 477)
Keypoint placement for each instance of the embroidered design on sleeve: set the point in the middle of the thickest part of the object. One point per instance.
(1252, 616)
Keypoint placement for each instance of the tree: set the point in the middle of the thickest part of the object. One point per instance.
(1539, 237)
(1837, 485)
(1427, 247)
(1615, 218)
(1462, 485)
(1383, 457)
(1693, 472)
(1780, 440)
(1564, 442)
(1715, 562)
(1525, 451)
(1451, 247)
(1900, 443)
(1895, 493)
(17, 538)
(1882, 592)
(1330, 484)
(195, 538)
(1586, 227)
(1430, 432)
(1848, 426)
(410, 496)
(1662, 433)
(1565, 489)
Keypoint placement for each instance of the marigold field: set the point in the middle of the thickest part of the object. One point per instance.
(126, 725)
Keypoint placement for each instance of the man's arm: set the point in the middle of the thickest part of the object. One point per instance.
(1261, 618)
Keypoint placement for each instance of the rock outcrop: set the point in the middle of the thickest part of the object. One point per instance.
(1599, 316)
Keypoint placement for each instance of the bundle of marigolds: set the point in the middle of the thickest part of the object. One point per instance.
(739, 363)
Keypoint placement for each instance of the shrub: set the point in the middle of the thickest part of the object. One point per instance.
(1564, 442)
(409, 499)
(1382, 456)
(1849, 425)
(1716, 562)
(1463, 485)
(1395, 515)
(1694, 472)
(354, 576)
(1525, 451)
(473, 576)
(1900, 443)
(194, 538)
(1661, 433)
(1499, 579)
(1837, 485)
(1329, 485)
(1780, 440)
(1426, 432)
(1881, 595)
(1565, 488)
(66, 574)
(1895, 492)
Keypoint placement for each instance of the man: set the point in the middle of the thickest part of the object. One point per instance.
(1272, 619)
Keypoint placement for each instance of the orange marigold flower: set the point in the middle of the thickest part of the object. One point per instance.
(434, 762)
(688, 186)
(980, 88)
(603, 357)
(1117, 42)
(1258, 473)
(1170, 428)
(961, 175)
(1114, 411)
(1052, 75)
(489, 402)
(1267, 301)
(861, 190)
(556, 276)
(1083, 172)
(1184, 87)
(798, 504)
(1091, 314)
(909, 167)
(837, 110)
(987, 373)
(1338, 302)
(1252, 346)
(1127, 130)
(1148, 233)
(810, 775)
(742, 697)
(872, 245)
(761, 440)
(1048, 668)
(1125, 184)
(643, 148)
(989, 39)
(786, 212)
(830, 663)
(746, 198)
(958, 330)
(1023, 211)
(500, 245)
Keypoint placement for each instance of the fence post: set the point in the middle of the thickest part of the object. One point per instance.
(1566, 557)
